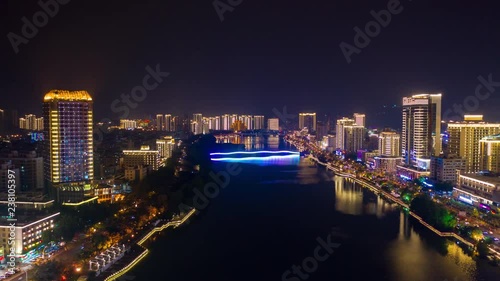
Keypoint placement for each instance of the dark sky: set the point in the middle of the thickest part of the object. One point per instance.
(265, 54)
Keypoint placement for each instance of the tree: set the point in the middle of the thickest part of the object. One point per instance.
(49, 271)
(475, 213)
(482, 249)
(476, 234)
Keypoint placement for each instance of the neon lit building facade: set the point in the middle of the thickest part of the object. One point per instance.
(421, 130)
(69, 158)
(465, 138)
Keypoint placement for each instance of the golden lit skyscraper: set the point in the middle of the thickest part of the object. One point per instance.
(389, 144)
(69, 160)
(489, 152)
(307, 120)
(465, 137)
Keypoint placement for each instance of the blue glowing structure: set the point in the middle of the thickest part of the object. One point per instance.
(262, 158)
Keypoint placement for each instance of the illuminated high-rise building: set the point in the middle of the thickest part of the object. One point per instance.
(354, 136)
(465, 137)
(233, 118)
(389, 144)
(273, 124)
(360, 119)
(39, 124)
(307, 120)
(168, 123)
(165, 147)
(217, 123)
(142, 157)
(248, 121)
(31, 122)
(197, 123)
(226, 122)
(489, 154)
(160, 122)
(69, 158)
(340, 132)
(421, 130)
(128, 124)
(176, 124)
(258, 122)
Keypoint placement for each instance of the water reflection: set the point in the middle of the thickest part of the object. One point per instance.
(422, 250)
(352, 199)
(413, 245)
(251, 143)
(264, 157)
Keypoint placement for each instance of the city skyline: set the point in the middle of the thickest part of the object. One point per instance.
(249, 140)
(201, 60)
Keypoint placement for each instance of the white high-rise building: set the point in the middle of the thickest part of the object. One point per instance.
(340, 132)
(217, 123)
(226, 122)
(31, 122)
(389, 144)
(165, 147)
(273, 124)
(258, 122)
(248, 121)
(360, 119)
(197, 123)
(421, 130)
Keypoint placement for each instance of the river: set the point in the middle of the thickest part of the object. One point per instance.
(272, 217)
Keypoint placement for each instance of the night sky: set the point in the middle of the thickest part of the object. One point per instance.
(263, 55)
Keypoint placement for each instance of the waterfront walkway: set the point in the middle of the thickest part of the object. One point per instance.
(137, 252)
(373, 187)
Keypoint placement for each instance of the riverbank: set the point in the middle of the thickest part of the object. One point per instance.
(375, 189)
(138, 252)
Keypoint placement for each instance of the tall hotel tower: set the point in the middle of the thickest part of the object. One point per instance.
(68, 159)
(421, 134)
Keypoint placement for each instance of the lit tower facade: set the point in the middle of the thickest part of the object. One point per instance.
(465, 139)
(340, 131)
(258, 122)
(69, 158)
(160, 122)
(307, 120)
(360, 119)
(421, 130)
(389, 144)
(168, 123)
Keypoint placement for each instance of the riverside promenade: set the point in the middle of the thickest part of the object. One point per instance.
(138, 252)
(373, 187)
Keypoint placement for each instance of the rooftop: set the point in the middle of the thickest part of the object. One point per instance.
(492, 138)
(488, 178)
(27, 219)
(67, 95)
